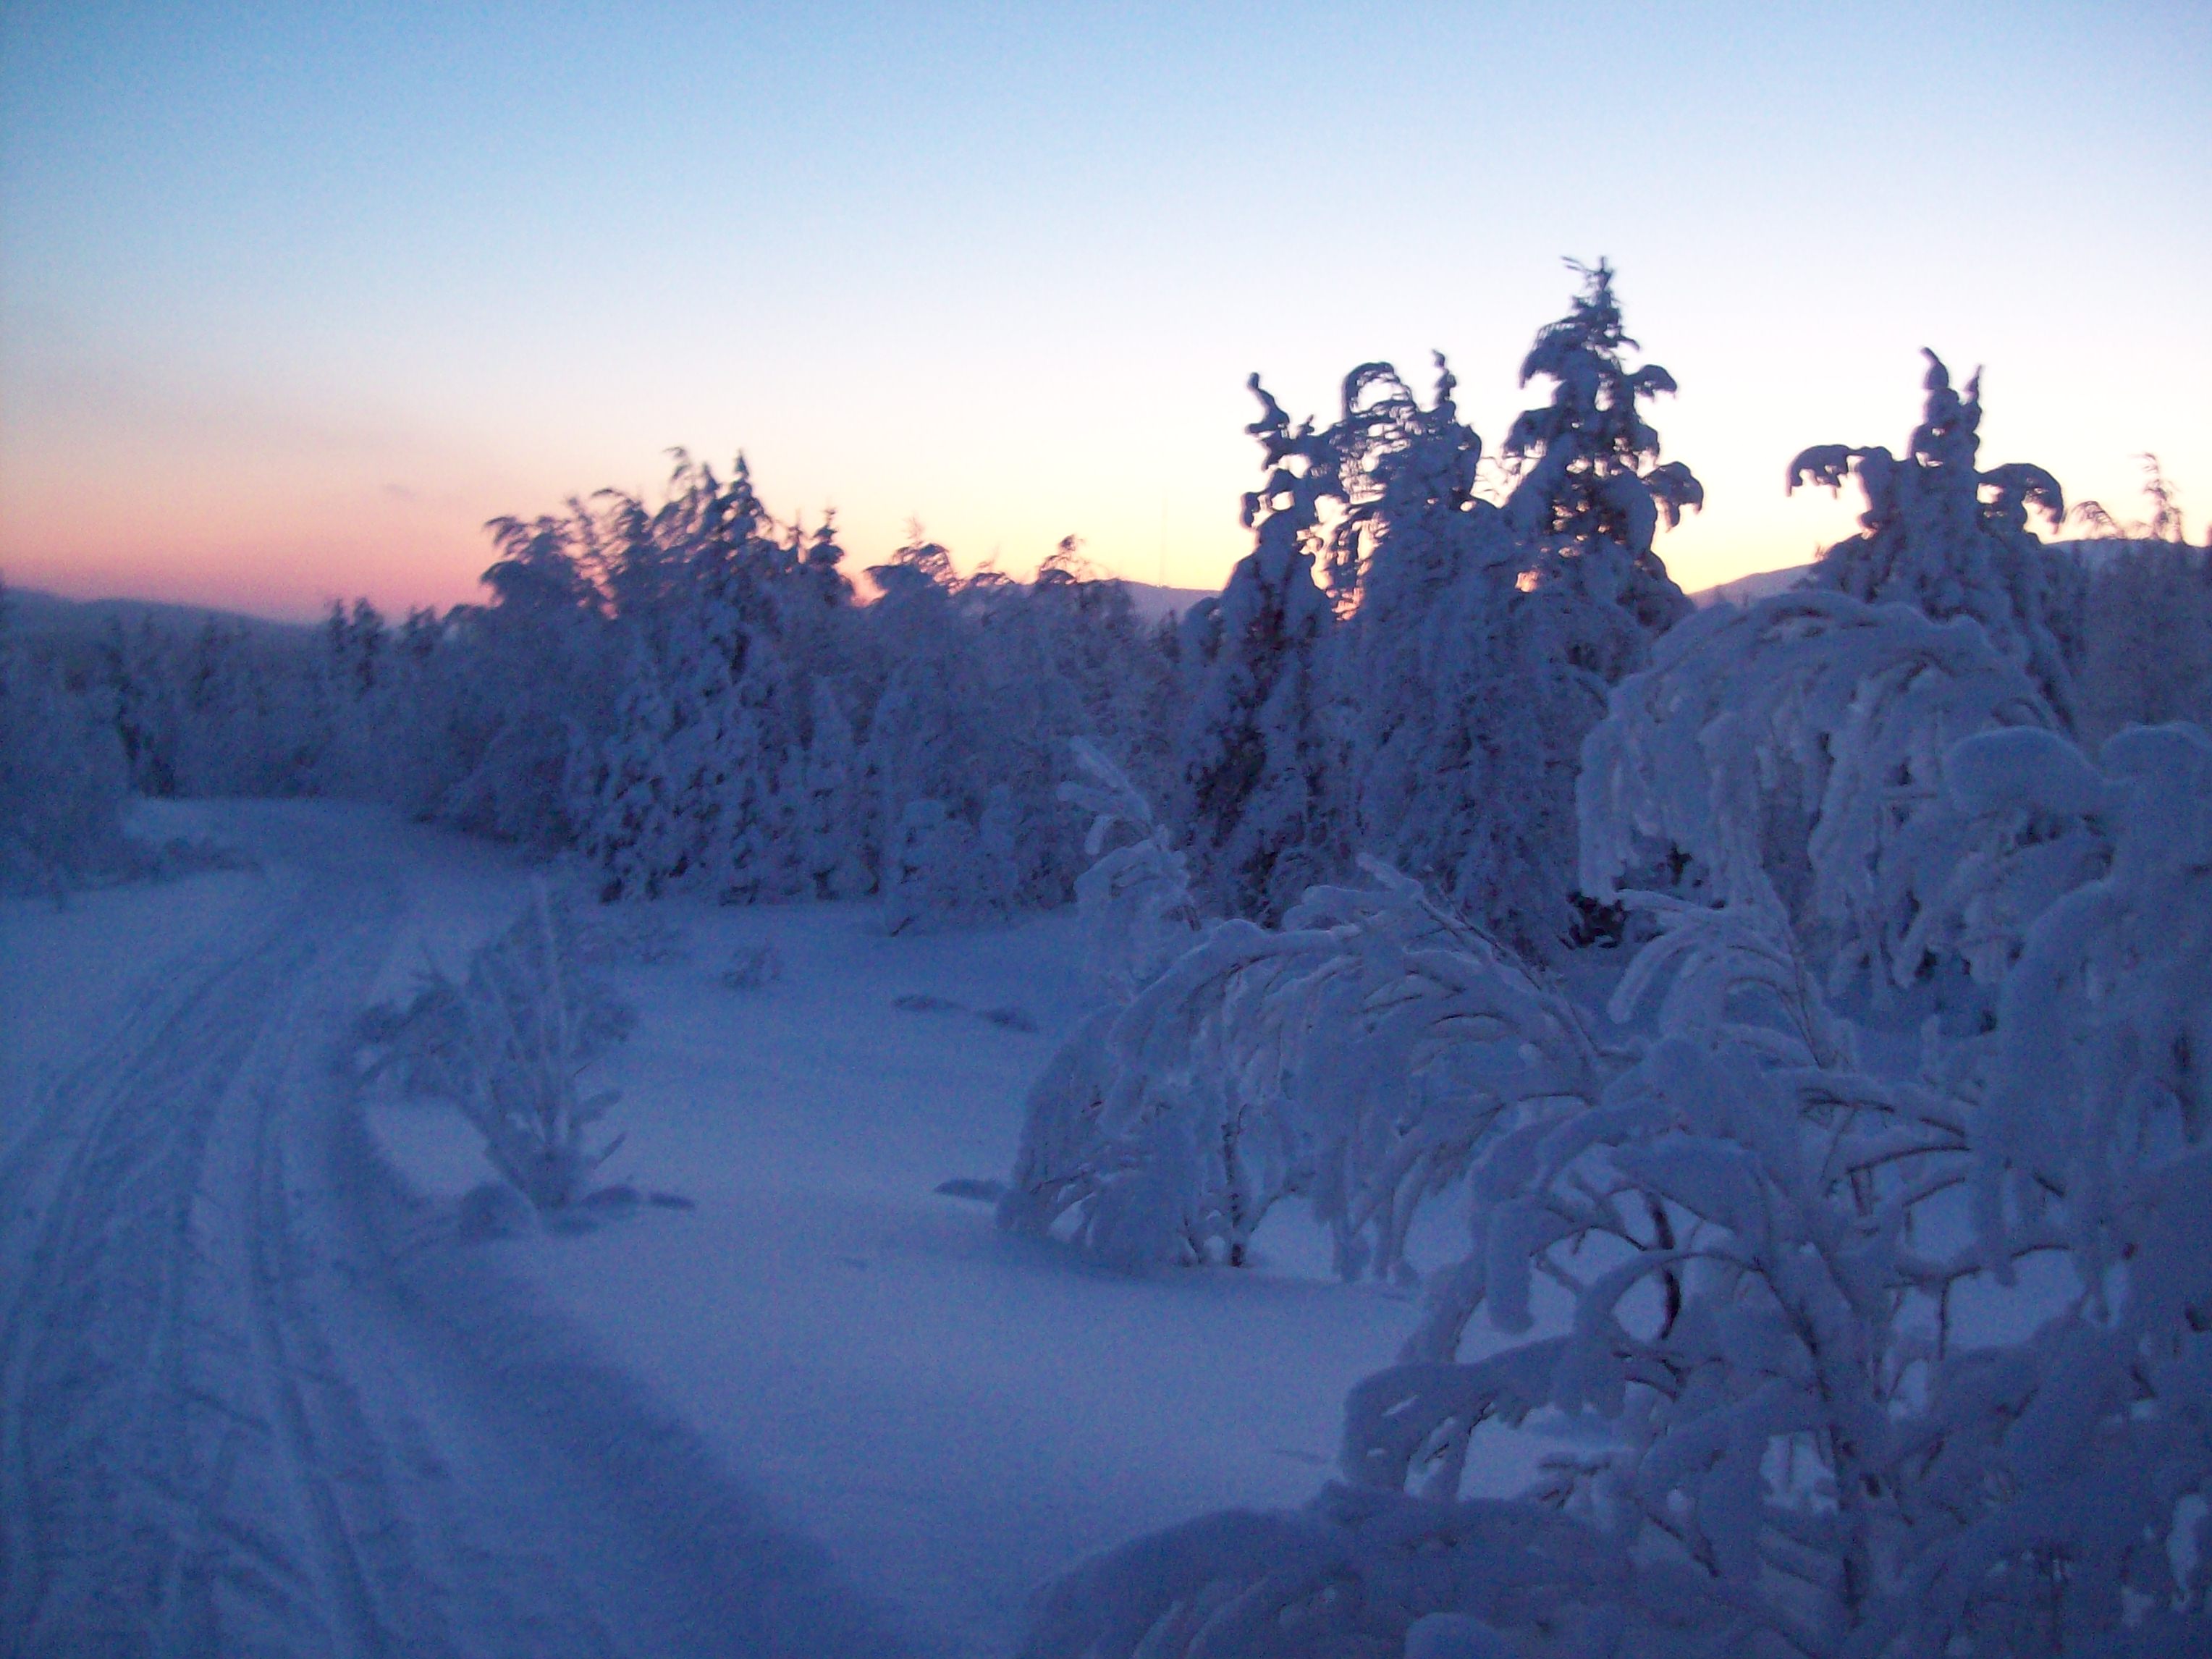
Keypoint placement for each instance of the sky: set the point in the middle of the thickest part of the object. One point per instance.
(293, 298)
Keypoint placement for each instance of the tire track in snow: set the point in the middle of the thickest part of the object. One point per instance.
(251, 1402)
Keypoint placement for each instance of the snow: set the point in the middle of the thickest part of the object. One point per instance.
(958, 1415)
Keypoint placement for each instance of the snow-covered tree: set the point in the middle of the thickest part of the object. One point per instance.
(632, 821)
(1354, 1057)
(1855, 1360)
(1795, 753)
(2147, 634)
(832, 838)
(1466, 724)
(538, 667)
(1259, 770)
(1134, 899)
(930, 873)
(1591, 491)
(62, 778)
(1951, 540)
(507, 1044)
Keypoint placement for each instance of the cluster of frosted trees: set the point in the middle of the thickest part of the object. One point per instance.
(1853, 1267)
(688, 696)
(62, 778)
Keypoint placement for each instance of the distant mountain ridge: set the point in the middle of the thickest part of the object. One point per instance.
(1743, 590)
(37, 613)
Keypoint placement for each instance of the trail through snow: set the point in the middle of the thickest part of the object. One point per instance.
(250, 1404)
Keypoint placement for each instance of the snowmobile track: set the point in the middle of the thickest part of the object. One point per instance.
(254, 1401)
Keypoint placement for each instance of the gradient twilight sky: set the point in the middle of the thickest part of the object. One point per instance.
(294, 297)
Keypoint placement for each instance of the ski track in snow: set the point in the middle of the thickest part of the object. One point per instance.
(255, 1404)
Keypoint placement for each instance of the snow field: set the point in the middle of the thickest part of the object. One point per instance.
(956, 1414)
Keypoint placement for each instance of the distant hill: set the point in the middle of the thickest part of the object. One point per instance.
(1152, 602)
(1745, 589)
(35, 615)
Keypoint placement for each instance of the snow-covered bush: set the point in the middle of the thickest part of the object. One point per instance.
(507, 1044)
(1855, 1363)
(1795, 752)
(1355, 1057)
(1135, 900)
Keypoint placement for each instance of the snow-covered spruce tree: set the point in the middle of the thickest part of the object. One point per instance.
(929, 869)
(1828, 1404)
(1466, 722)
(1591, 490)
(135, 665)
(1794, 754)
(1950, 541)
(831, 837)
(507, 1043)
(538, 666)
(1258, 763)
(632, 821)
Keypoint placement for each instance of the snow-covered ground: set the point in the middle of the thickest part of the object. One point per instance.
(813, 1399)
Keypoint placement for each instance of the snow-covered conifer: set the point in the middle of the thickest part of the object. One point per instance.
(1257, 759)
(1592, 492)
(631, 823)
(1951, 540)
(928, 876)
(1466, 723)
(62, 779)
(830, 833)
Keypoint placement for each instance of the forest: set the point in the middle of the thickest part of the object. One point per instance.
(1803, 1008)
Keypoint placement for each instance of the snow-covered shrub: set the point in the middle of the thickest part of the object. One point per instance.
(1857, 1364)
(1355, 1057)
(1135, 902)
(507, 1044)
(1796, 750)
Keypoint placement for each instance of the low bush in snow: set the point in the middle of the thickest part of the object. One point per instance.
(507, 1043)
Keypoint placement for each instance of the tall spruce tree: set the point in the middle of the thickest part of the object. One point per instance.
(1256, 756)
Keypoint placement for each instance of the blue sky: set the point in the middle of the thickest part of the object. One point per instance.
(293, 297)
